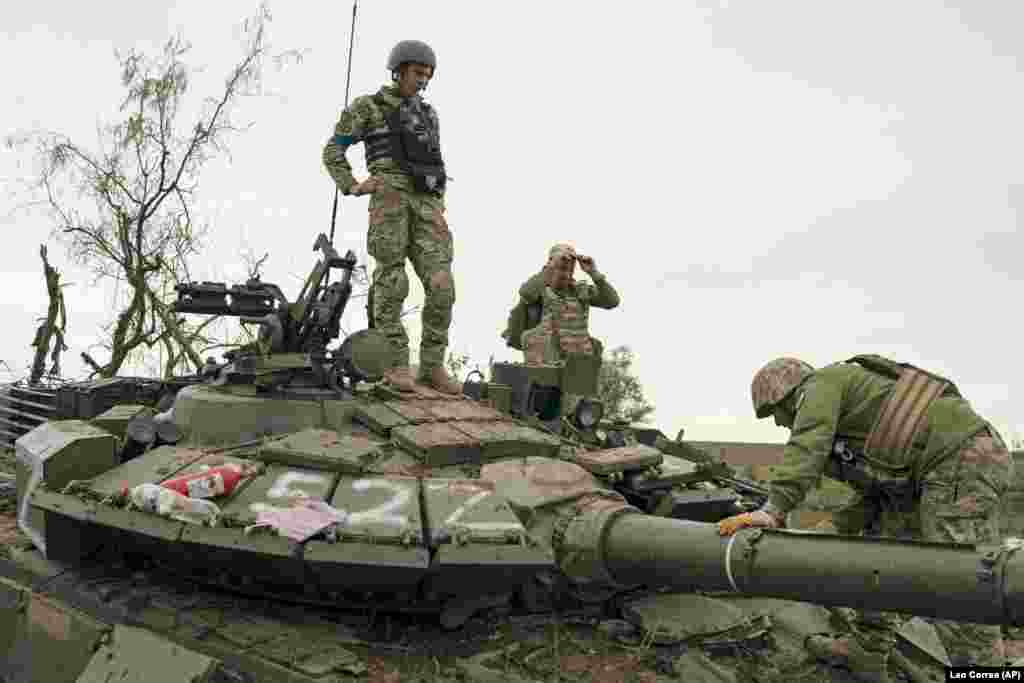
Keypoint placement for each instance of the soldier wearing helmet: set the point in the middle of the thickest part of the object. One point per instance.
(923, 464)
(401, 139)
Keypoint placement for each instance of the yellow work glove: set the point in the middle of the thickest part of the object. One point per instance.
(758, 518)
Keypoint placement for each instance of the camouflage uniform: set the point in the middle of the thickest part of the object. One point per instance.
(565, 319)
(961, 467)
(565, 322)
(404, 223)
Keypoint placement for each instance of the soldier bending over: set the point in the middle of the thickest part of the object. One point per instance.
(925, 466)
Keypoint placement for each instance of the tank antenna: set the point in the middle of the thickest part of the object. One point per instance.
(348, 82)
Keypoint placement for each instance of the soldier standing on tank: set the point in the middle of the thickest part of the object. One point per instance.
(401, 138)
(924, 465)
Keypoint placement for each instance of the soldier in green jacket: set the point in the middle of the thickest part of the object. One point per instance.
(924, 465)
(552, 318)
(564, 306)
(401, 138)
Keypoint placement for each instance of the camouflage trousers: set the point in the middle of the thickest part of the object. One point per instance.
(408, 224)
(959, 502)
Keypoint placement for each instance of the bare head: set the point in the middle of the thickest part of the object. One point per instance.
(413, 78)
(561, 266)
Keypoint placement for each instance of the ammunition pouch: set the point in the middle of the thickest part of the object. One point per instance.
(896, 494)
(430, 179)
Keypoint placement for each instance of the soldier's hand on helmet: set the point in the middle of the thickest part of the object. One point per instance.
(368, 186)
(587, 264)
(757, 518)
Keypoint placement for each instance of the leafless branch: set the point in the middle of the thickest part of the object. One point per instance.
(126, 212)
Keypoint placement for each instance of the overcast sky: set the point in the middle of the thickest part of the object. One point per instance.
(757, 179)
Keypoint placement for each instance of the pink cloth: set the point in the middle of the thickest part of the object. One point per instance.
(306, 518)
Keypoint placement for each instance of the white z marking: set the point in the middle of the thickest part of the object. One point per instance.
(385, 512)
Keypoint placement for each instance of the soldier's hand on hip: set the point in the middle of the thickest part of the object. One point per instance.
(586, 264)
(368, 186)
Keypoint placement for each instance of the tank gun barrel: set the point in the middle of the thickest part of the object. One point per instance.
(949, 581)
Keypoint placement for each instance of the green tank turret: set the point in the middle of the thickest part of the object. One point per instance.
(327, 490)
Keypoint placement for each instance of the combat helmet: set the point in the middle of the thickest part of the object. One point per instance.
(415, 51)
(775, 381)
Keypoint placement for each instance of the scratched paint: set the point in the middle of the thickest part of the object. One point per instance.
(455, 518)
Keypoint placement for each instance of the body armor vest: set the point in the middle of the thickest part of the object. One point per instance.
(567, 319)
(412, 140)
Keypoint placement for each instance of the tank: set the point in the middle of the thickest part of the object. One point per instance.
(346, 497)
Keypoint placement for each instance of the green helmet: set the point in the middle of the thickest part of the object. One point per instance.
(775, 381)
(415, 51)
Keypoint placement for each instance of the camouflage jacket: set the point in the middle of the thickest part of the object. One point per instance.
(842, 401)
(600, 294)
(363, 116)
(535, 291)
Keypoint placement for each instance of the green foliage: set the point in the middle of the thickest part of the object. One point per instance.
(620, 390)
(461, 364)
(126, 210)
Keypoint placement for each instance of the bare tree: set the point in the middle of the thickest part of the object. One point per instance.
(126, 211)
(52, 327)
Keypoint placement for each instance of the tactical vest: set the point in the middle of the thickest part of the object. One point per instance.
(567, 318)
(412, 139)
(899, 421)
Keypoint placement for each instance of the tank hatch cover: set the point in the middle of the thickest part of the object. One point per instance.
(381, 546)
(481, 547)
(322, 449)
(438, 443)
(612, 460)
(149, 468)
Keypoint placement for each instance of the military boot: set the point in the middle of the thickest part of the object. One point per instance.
(869, 666)
(437, 378)
(400, 378)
